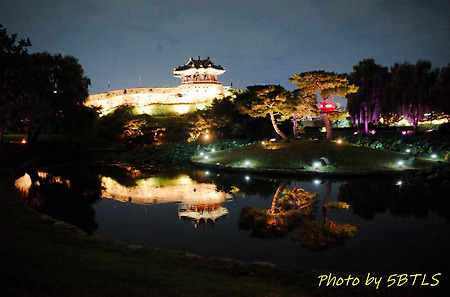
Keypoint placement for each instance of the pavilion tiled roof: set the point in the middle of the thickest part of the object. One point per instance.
(205, 63)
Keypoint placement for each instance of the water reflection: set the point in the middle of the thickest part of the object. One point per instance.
(347, 220)
(297, 213)
(66, 195)
(198, 202)
(370, 197)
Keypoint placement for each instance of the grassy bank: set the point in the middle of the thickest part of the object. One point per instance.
(302, 156)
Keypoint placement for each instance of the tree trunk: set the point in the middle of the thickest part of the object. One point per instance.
(275, 126)
(325, 203)
(327, 126)
(366, 126)
(295, 125)
(275, 197)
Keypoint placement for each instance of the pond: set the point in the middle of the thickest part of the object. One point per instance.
(376, 225)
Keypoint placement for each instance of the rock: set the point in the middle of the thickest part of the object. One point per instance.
(325, 161)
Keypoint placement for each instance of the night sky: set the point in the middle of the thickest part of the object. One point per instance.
(138, 43)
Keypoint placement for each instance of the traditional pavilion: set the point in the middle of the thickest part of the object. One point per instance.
(198, 72)
(205, 213)
(199, 87)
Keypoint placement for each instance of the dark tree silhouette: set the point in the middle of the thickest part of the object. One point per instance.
(364, 106)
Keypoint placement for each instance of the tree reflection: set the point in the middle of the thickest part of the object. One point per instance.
(297, 210)
(369, 197)
(64, 194)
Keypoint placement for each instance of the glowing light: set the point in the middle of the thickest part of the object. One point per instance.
(433, 156)
(213, 150)
(399, 183)
(24, 141)
(247, 163)
(316, 164)
(273, 140)
(206, 136)
(408, 150)
(339, 141)
(372, 132)
(400, 163)
(355, 133)
(206, 157)
(316, 181)
(206, 172)
(247, 177)
(201, 153)
(403, 132)
(327, 107)
(181, 109)
(263, 142)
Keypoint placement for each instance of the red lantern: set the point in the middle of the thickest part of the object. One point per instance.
(327, 106)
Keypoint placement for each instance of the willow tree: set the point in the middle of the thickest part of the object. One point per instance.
(262, 100)
(326, 85)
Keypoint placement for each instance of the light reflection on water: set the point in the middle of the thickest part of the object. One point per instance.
(399, 229)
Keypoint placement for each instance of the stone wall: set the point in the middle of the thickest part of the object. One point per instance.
(196, 94)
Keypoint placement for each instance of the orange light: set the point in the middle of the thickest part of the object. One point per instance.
(24, 141)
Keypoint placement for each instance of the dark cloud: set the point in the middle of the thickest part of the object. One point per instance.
(257, 41)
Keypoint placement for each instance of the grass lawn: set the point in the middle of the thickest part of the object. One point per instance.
(299, 156)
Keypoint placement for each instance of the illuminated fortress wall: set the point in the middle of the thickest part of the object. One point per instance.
(182, 99)
(199, 86)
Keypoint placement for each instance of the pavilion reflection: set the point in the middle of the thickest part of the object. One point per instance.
(198, 202)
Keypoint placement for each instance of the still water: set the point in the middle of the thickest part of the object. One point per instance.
(374, 225)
